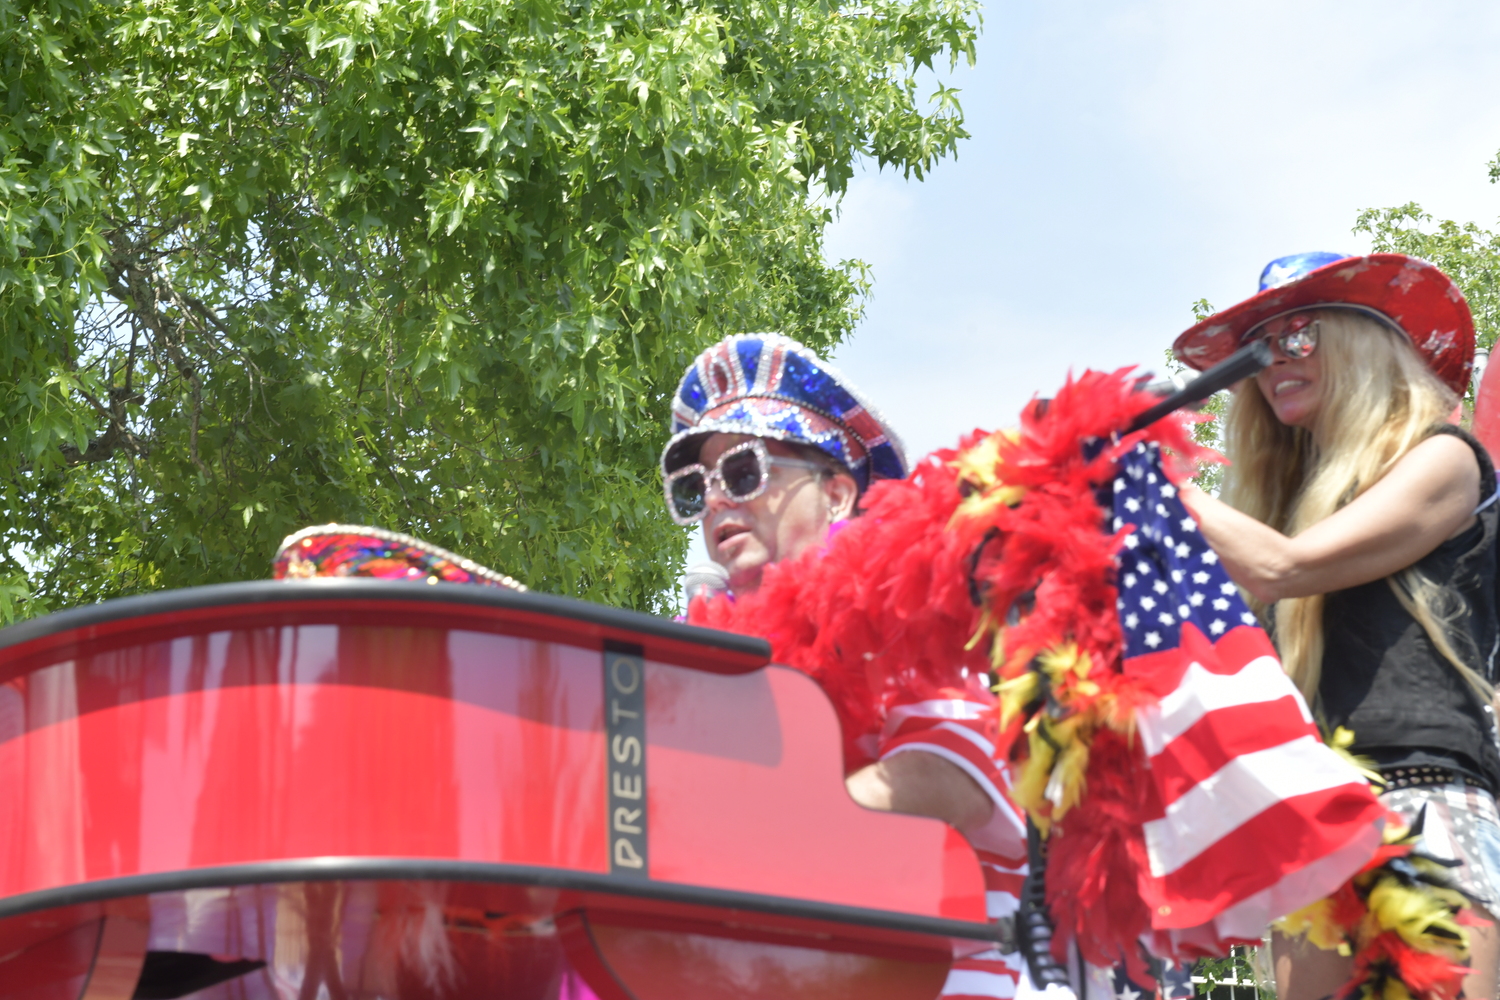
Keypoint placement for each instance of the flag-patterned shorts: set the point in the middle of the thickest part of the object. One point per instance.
(1461, 825)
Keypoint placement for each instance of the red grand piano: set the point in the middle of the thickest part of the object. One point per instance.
(358, 789)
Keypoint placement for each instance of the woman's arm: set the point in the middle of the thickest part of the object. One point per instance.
(1428, 496)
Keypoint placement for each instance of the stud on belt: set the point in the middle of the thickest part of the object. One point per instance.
(1420, 776)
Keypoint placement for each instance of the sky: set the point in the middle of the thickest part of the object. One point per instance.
(1129, 158)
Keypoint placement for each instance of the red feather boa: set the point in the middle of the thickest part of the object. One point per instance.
(877, 616)
(883, 613)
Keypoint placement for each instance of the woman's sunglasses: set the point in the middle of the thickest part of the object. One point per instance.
(1296, 336)
(743, 473)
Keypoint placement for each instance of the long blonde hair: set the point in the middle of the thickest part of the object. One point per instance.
(1379, 401)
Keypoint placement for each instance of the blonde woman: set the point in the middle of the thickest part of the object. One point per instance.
(1362, 523)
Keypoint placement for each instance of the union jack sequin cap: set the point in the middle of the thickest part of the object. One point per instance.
(767, 385)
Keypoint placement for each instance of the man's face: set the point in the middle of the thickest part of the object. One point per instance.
(794, 512)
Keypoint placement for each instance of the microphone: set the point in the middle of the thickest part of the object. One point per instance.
(1245, 362)
(704, 580)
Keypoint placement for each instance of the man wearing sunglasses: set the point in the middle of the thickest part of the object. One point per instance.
(771, 448)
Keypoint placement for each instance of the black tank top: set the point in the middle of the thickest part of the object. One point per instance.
(1382, 677)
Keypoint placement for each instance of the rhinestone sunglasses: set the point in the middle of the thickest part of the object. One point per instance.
(1296, 336)
(743, 472)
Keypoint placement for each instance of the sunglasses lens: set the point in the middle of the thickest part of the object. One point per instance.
(687, 495)
(1301, 343)
(741, 475)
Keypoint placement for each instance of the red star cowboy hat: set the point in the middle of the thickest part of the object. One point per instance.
(1403, 292)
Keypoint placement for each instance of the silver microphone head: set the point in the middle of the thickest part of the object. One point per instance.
(705, 579)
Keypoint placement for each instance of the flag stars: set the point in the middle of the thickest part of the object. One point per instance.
(1174, 580)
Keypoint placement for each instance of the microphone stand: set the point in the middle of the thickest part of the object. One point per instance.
(1242, 364)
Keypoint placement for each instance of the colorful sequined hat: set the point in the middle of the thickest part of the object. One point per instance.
(1406, 293)
(770, 386)
(357, 550)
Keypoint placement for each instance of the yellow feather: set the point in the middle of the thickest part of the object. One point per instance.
(1015, 694)
(1412, 913)
(1031, 781)
(1068, 777)
(1316, 921)
(980, 467)
(997, 650)
(1399, 908)
(1063, 663)
(981, 631)
(1340, 742)
(1395, 990)
(978, 464)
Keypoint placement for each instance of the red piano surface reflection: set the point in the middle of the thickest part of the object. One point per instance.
(361, 789)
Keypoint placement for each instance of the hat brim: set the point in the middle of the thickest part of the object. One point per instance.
(810, 428)
(1414, 296)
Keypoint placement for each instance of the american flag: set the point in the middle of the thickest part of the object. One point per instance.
(1256, 817)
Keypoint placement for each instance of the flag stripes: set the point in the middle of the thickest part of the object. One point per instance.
(1254, 816)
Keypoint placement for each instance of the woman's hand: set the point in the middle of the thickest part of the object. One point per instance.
(1427, 497)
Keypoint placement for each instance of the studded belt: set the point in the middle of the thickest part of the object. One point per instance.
(1420, 776)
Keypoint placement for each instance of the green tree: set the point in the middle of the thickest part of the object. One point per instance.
(435, 266)
(1209, 433)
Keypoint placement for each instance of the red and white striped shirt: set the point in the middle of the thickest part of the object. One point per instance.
(957, 725)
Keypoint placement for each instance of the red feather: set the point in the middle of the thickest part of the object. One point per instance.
(879, 614)
(883, 612)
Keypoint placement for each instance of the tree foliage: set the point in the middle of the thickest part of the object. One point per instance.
(430, 265)
(1209, 432)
